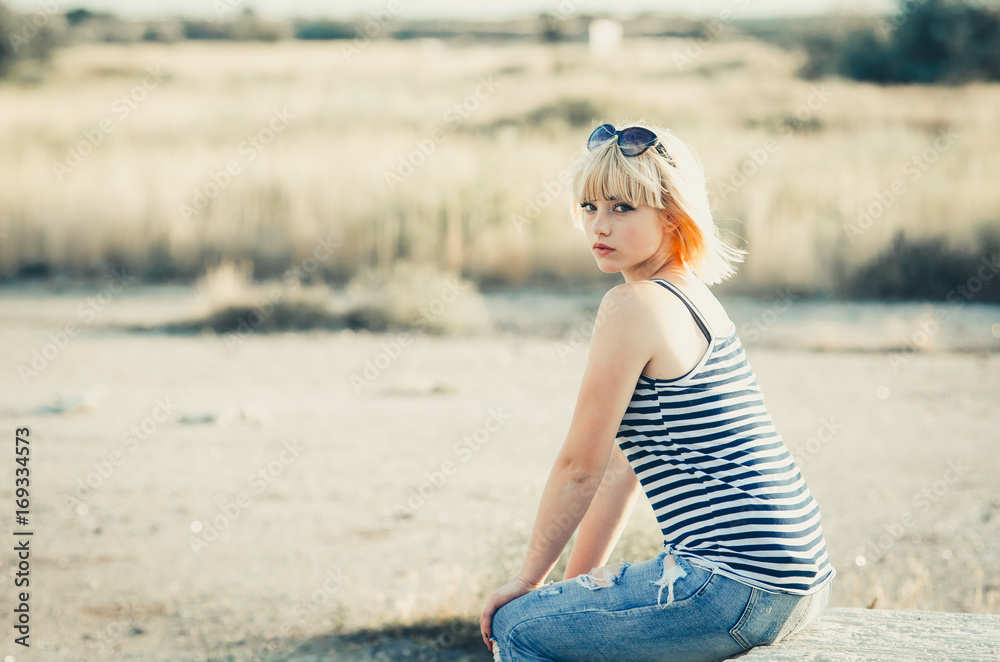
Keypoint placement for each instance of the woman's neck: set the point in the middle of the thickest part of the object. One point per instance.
(673, 268)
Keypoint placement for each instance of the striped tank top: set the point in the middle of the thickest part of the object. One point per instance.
(725, 491)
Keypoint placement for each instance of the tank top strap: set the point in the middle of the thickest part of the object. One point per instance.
(702, 322)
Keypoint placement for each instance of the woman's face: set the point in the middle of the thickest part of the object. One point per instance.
(628, 239)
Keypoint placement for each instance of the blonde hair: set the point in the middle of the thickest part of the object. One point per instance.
(677, 189)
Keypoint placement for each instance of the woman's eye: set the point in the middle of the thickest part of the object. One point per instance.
(587, 206)
(621, 207)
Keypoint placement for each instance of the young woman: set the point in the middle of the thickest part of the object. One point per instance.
(670, 405)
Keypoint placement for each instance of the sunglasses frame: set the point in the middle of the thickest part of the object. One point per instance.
(618, 134)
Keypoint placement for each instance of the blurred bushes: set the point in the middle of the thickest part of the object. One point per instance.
(245, 27)
(33, 37)
(324, 30)
(88, 26)
(28, 38)
(925, 41)
(928, 268)
(572, 113)
(403, 297)
(418, 296)
(575, 113)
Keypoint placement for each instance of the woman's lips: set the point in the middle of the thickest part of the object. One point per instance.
(601, 249)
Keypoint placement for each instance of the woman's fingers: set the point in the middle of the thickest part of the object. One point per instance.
(509, 591)
(486, 622)
(496, 601)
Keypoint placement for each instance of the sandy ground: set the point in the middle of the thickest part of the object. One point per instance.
(219, 498)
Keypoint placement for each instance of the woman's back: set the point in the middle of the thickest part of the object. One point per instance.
(723, 486)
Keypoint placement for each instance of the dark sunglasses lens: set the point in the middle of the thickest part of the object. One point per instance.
(601, 134)
(636, 140)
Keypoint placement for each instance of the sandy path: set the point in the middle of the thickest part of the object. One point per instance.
(313, 483)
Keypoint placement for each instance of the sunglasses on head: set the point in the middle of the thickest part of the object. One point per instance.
(632, 141)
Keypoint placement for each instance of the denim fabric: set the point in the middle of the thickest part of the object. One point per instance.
(655, 610)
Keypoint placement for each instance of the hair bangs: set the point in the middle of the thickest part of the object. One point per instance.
(606, 174)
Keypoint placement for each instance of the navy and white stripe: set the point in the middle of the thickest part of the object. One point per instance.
(723, 486)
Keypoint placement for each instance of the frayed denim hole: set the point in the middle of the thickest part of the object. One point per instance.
(695, 582)
(551, 589)
(606, 575)
(672, 571)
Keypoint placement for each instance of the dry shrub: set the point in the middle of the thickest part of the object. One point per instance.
(404, 297)
(419, 296)
(229, 283)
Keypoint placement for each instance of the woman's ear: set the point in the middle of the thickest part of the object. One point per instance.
(669, 224)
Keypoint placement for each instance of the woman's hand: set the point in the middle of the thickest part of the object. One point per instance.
(515, 588)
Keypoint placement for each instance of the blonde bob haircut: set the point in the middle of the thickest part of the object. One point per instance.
(675, 188)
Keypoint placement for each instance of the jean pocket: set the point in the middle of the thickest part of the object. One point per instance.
(770, 617)
(754, 629)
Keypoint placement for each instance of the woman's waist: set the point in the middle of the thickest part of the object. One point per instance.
(780, 573)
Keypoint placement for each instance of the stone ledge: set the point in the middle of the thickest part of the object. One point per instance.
(881, 635)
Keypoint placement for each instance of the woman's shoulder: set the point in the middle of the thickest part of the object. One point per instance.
(640, 305)
(664, 310)
(635, 297)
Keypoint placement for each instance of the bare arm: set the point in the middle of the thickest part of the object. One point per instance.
(620, 348)
(606, 518)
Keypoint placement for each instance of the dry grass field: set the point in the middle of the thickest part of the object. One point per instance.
(163, 159)
(207, 489)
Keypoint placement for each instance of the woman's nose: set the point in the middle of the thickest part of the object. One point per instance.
(600, 224)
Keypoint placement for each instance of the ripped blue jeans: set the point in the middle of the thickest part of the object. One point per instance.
(663, 609)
